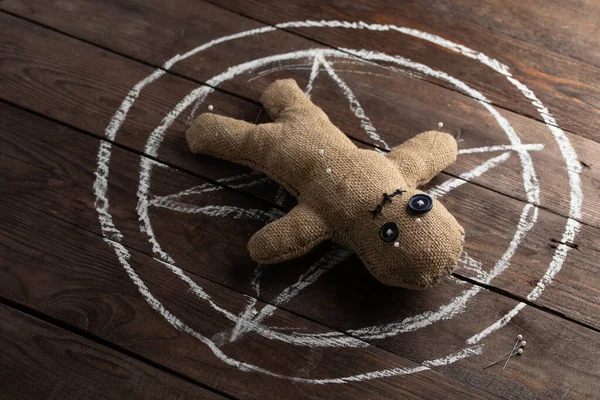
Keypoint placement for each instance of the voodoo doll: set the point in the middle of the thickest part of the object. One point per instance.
(360, 199)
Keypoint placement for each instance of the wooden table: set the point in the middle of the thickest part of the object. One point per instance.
(123, 268)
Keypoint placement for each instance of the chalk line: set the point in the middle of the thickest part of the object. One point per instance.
(100, 188)
(530, 183)
(142, 210)
(502, 147)
(324, 264)
(496, 325)
(555, 265)
(209, 187)
(451, 359)
(221, 211)
(568, 153)
(244, 320)
(474, 266)
(353, 102)
(314, 72)
(463, 178)
(255, 282)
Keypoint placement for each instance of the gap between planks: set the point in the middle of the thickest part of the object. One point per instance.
(289, 31)
(257, 103)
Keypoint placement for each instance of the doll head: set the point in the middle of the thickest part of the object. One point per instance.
(408, 239)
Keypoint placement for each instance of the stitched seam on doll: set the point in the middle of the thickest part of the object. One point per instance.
(387, 199)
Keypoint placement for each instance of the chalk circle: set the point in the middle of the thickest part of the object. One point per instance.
(336, 339)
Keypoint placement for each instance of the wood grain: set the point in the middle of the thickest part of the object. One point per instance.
(210, 250)
(54, 261)
(397, 117)
(471, 203)
(72, 275)
(40, 361)
(570, 88)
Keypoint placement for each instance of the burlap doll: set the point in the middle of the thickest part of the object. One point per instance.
(361, 199)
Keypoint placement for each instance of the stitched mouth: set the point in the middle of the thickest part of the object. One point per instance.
(387, 199)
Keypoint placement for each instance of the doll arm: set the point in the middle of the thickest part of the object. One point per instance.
(288, 237)
(424, 156)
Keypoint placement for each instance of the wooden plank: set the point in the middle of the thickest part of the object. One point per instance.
(41, 236)
(72, 275)
(396, 117)
(501, 215)
(45, 186)
(214, 248)
(569, 27)
(90, 84)
(571, 89)
(40, 361)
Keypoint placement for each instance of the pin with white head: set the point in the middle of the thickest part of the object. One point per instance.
(212, 111)
(516, 350)
(518, 344)
(328, 170)
(440, 126)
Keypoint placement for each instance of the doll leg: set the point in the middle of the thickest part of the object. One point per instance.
(285, 94)
(241, 142)
(424, 156)
(232, 139)
(220, 136)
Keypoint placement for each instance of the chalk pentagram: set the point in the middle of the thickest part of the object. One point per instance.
(320, 60)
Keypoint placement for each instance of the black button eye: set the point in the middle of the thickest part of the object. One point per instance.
(389, 232)
(420, 203)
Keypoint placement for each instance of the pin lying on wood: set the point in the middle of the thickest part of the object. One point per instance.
(516, 350)
(338, 185)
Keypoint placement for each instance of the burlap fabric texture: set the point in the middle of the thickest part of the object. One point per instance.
(337, 186)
